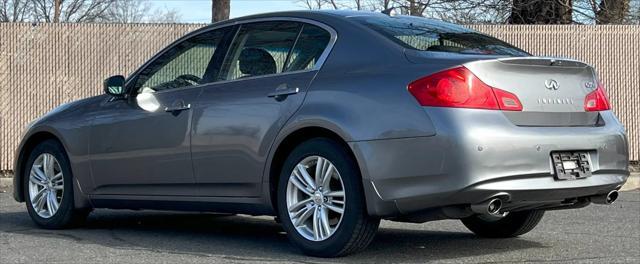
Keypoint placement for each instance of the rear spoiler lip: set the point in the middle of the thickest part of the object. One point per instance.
(548, 61)
(420, 57)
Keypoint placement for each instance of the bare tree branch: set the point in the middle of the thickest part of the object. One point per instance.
(14, 10)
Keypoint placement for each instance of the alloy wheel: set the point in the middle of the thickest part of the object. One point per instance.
(46, 185)
(315, 198)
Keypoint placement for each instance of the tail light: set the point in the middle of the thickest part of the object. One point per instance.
(597, 100)
(459, 87)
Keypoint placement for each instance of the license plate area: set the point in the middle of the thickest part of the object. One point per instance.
(571, 165)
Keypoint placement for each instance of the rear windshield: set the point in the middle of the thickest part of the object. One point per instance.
(429, 35)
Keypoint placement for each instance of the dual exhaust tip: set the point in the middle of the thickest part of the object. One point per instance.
(494, 205)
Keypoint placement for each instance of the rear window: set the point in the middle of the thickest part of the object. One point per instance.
(429, 35)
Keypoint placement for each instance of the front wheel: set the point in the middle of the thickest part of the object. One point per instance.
(321, 202)
(511, 225)
(48, 187)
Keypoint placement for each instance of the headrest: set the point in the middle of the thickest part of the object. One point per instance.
(255, 62)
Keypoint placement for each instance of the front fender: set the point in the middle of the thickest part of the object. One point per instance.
(69, 124)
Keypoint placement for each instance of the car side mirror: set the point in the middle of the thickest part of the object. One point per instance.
(114, 86)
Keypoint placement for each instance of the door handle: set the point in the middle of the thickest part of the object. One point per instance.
(177, 108)
(283, 91)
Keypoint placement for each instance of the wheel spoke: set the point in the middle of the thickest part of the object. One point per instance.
(319, 167)
(47, 164)
(300, 212)
(324, 220)
(337, 194)
(38, 174)
(53, 202)
(299, 205)
(316, 225)
(335, 208)
(33, 179)
(39, 200)
(57, 177)
(36, 198)
(300, 185)
(305, 175)
(50, 201)
(58, 181)
(327, 175)
(308, 211)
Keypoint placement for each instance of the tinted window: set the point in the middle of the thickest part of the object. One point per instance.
(260, 49)
(429, 35)
(308, 49)
(183, 65)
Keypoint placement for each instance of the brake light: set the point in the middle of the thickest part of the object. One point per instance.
(459, 87)
(597, 100)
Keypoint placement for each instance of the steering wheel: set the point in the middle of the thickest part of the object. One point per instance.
(191, 79)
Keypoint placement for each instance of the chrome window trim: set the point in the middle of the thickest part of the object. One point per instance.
(325, 54)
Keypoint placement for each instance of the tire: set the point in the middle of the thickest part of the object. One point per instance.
(512, 225)
(355, 230)
(66, 215)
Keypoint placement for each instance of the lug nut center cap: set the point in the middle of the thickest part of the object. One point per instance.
(318, 198)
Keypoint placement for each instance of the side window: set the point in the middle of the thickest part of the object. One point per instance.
(260, 49)
(308, 49)
(186, 64)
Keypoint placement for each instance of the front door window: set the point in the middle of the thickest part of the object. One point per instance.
(184, 65)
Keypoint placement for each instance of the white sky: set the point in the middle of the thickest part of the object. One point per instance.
(199, 11)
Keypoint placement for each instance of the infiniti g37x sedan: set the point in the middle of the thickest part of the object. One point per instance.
(331, 121)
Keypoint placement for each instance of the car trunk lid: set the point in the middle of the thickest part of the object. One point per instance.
(548, 85)
(552, 91)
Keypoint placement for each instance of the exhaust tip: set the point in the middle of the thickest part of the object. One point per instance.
(608, 198)
(494, 206)
(488, 207)
(612, 196)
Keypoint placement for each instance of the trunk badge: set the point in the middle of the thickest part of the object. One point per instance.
(551, 84)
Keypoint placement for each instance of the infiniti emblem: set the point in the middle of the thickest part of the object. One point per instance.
(590, 85)
(551, 84)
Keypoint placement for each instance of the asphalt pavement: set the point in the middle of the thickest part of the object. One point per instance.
(596, 234)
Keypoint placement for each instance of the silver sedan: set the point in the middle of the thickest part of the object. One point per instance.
(332, 121)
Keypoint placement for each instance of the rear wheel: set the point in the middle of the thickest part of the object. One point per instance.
(321, 202)
(512, 224)
(48, 187)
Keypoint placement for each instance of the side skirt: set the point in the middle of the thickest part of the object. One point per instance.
(250, 206)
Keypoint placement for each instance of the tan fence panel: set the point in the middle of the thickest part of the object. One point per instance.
(45, 65)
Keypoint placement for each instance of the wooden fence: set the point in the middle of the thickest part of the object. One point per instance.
(44, 65)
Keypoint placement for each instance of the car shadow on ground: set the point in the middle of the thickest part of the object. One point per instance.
(250, 238)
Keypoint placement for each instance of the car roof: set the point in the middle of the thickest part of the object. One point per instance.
(313, 14)
(324, 16)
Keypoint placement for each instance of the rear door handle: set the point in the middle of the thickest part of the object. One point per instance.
(283, 91)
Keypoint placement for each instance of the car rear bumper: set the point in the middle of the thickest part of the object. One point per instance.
(478, 154)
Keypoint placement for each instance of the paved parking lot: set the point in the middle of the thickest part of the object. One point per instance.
(596, 234)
